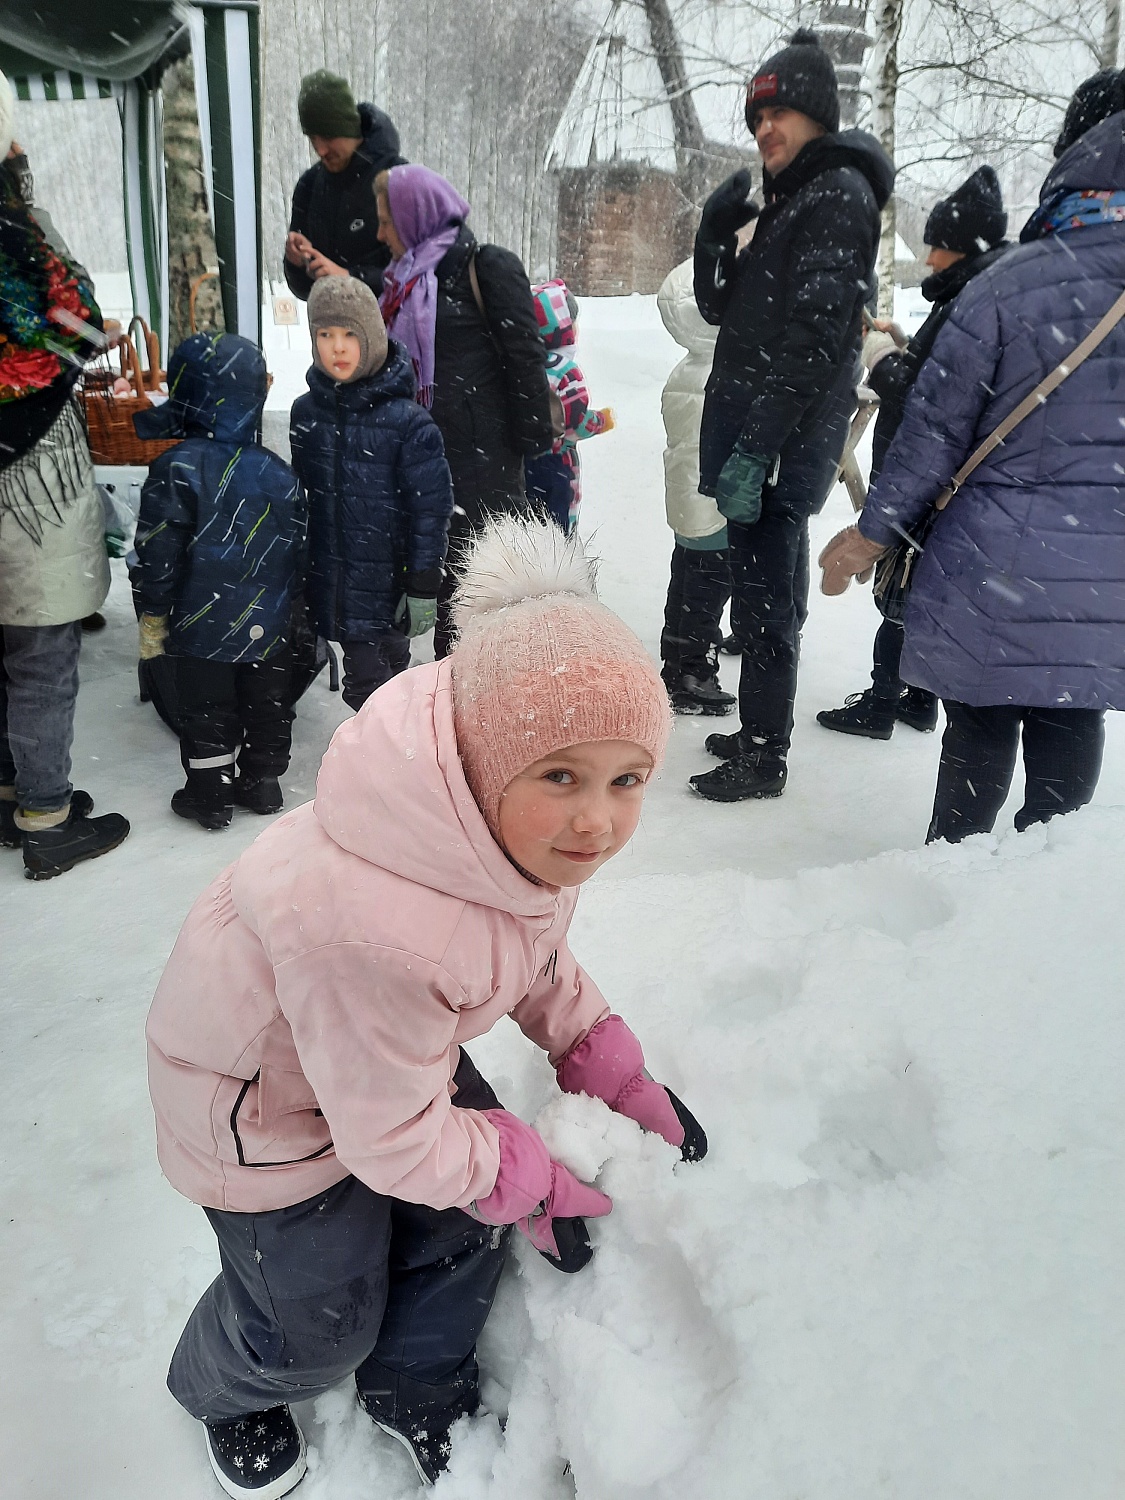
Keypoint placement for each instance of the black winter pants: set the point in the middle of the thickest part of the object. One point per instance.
(769, 568)
(368, 664)
(235, 711)
(1062, 759)
(886, 655)
(348, 1281)
(697, 595)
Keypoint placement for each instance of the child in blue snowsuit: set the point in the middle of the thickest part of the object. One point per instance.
(373, 465)
(218, 541)
(554, 479)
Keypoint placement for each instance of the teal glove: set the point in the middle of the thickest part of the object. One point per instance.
(416, 616)
(739, 491)
(115, 543)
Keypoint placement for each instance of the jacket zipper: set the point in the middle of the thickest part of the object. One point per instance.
(337, 460)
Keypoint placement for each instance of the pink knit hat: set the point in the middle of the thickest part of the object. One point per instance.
(539, 664)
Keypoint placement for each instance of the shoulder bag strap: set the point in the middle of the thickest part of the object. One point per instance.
(1036, 398)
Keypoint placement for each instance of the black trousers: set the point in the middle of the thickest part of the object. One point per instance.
(885, 658)
(1062, 759)
(697, 595)
(368, 664)
(769, 569)
(348, 1281)
(235, 712)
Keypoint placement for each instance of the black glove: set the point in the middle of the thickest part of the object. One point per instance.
(573, 1241)
(727, 209)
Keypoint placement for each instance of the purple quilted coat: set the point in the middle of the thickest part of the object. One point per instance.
(1019, 597)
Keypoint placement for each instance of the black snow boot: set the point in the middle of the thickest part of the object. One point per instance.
(760, 774)
(863, 714)
(259, 1457)
(698, 695)
(48, 852)
(428, 1444)
(918, 708)
(259, 794)
(726, 746)
(81, 806)
(207, 797)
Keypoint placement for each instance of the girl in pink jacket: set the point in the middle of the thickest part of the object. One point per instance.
(305, 1040)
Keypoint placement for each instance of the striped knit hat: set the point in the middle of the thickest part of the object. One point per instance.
(540, 664)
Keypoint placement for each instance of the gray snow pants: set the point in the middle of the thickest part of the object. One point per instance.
(348, 1281)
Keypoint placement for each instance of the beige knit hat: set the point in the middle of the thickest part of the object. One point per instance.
(347, 302)
(539, 663)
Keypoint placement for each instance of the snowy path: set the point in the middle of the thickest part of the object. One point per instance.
(897, 1273)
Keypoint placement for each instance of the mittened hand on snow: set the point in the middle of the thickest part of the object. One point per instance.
(608, 418)
(153, 630)
(416, 616)
(532, 1191)
(848, 555)
(608, 1064)
(727, 210)
(738, 493)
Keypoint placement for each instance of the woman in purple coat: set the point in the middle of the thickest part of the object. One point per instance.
(1016, 616)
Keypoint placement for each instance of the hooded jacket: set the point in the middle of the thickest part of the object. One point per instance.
(308, 1022)
(1019, 597)
(336, 210)
(690, 514)
(373, 467)
(221, 521)
(894, 374)
(790, 312)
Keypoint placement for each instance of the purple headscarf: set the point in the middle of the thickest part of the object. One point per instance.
(427, 213)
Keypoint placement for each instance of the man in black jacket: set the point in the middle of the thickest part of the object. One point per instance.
(782, 390)
(334, 226)
(964, 234)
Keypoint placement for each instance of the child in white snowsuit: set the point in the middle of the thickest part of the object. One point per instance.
(700, 584)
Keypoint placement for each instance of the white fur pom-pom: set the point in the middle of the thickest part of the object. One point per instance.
(516, 558)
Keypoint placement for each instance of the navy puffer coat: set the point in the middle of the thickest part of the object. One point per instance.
(379, 494)
(1019, 597)
(222, 520)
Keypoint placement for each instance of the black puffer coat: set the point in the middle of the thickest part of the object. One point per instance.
(371, 462)
(491, 397)
(336, 210)
(897, 371)
(790, 311)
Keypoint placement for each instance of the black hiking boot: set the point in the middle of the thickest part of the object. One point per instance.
(48, 852)
(699, 695)
(206, 810)
(759, 775)
(862, 714)
(919, 709)
(429, 1445)
(81, 806)
(725, 746)
(259, 1457)
(259, 794)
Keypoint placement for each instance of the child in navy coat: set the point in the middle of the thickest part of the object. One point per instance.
(218, 540)
(380, 495)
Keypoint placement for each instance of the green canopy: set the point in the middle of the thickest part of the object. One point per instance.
(50, 51)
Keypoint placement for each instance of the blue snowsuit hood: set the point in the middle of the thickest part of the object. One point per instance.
(216, 389)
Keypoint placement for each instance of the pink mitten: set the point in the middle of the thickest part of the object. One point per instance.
(608, 1064)
(531, 1190)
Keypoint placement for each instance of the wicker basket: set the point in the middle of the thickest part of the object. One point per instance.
(109, 418)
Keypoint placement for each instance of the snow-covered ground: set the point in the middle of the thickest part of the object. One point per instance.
(897, 1273)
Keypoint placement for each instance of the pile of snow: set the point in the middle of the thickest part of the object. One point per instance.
(896, 1273)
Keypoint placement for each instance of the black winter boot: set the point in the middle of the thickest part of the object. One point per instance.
(208, 797)
(725, 746)
(259, 1457)
(918, 708)
(862, 714)
(81, 806)
(699, 695)
(428, 1445)
(48, 852)
(760, 774)
(259, 794)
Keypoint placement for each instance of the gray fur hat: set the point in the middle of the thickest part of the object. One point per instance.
(344, 302)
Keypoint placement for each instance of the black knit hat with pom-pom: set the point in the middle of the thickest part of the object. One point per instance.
(801, 77)
(972, 219)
